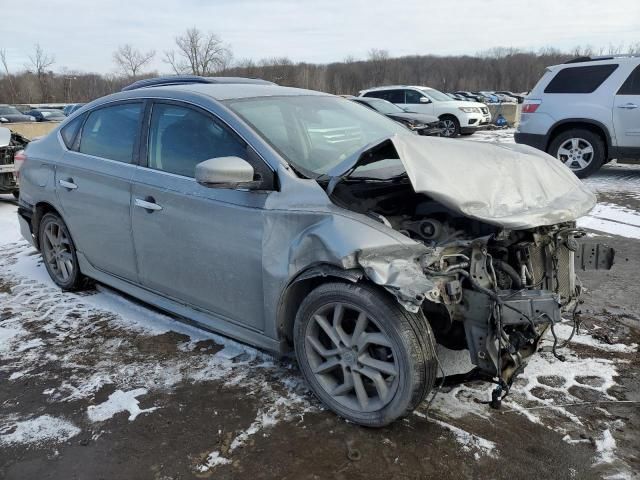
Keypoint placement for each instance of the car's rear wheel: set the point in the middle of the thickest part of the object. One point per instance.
(450, 126)
(580, 150)
(59, 253)
(363, 355)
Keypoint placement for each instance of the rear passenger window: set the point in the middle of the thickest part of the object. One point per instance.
(631, 86)
(181, 137)
(580, 79)
(70, 130)
(111, 132)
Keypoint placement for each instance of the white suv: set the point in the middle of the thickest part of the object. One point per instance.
(585, 112)
(457, 117)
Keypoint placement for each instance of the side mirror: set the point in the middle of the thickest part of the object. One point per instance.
(225, 172)
(424, 100)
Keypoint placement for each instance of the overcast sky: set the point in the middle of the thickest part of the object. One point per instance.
(82, 34)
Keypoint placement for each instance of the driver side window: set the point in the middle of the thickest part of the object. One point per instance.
(181, 137)
(412, 97)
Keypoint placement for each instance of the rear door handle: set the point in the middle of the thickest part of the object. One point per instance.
(147, 204)
(68, 184)
(628, 106)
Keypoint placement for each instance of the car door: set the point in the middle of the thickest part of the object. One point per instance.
(93, 185)
(626, 112)
(412, 103)
(197, 245)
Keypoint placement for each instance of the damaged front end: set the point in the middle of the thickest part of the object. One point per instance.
(489, 285)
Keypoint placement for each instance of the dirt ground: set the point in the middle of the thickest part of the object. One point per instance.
(99, 386)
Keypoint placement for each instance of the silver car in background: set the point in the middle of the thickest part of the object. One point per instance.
(293, 219)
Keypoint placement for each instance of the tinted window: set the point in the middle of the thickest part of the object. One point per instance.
(412, 96)
(580, 79)
(111, 132)
(182, 137)
(70, 130)
(393, 96)
(631, 86)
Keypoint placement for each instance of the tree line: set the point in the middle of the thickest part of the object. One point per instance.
(204, 53)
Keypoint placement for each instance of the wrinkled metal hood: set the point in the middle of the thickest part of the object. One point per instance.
(512, 186)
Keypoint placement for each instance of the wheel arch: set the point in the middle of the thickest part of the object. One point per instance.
(585, 123)
(39, 211)
(301, 285)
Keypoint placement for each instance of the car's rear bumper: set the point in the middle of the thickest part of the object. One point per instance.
(532, 139)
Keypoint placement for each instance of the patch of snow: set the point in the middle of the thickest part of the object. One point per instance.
(612, 219)
(9, 226)
(119, 401)
(213, 460)
(563, 330)
(606, 447)
(44, 428)
(470, 441)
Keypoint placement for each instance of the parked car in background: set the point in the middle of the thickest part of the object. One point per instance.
(305, 222)
(471, 96)
(69, 109)
(504, 98)
(454, 96)
(419, 122)
(457, 117)
(585, 112)
(10, 114)
(517, 96)
(47, 114)
(11, 145)
(490, 96)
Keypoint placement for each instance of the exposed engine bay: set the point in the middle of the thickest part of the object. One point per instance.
(495, 291)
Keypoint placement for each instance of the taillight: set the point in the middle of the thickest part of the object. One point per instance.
(18, 160)
(530, 106)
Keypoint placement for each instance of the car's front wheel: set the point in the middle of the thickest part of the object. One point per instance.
(363, 355)
(581, 150)
(450, 126)
(59, 253)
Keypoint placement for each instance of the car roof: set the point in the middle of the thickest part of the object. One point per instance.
(389, 87)
(226, 91)
(586, 61)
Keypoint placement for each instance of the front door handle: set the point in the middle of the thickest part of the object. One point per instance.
(148, 204)
(68, 184)
(628, 106)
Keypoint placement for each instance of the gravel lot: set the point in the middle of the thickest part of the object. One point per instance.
(98, 385)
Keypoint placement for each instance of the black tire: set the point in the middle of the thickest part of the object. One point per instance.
(450, 126)
(75, 280)
(16, 194)
(576, 142)
(411, 346)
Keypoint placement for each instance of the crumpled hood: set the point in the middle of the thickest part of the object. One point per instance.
(513, 186)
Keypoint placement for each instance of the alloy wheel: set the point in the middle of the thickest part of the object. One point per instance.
(576, 153)
(351, 357)
(57, 251)
(448, 128)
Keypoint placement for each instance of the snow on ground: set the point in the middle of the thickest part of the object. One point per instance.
(612, 219)
(119, 401)
(36, 430)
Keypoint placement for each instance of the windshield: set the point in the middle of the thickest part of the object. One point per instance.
(314, 133)
(383, 106)
(435, 95)
(6, 110)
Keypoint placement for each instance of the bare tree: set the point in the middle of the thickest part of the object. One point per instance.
(198, 53)
(130, 60)
(39, 63)
(13, 94)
